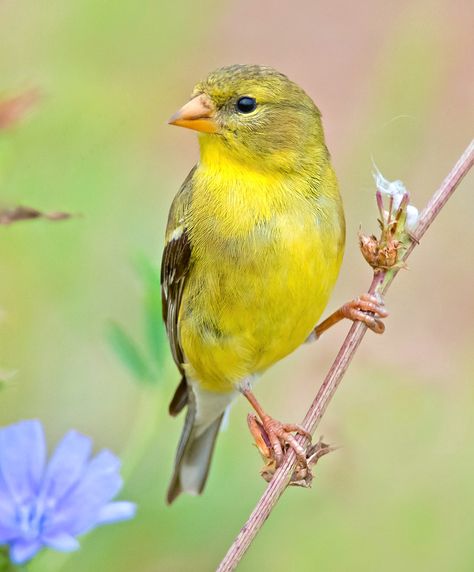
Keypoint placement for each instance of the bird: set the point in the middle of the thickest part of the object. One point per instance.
(253, 247)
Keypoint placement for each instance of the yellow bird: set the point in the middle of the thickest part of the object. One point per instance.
(254, 243)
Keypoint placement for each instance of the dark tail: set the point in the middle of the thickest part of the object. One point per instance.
(194, 454)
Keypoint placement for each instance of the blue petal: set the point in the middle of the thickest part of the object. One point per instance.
(22, 458)
(8, 523)
(23, 550)
(78, 511)
(67, 465)
(61, 541)
(116, 511)
(7, 533)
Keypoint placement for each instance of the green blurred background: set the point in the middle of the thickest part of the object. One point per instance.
(394, 82)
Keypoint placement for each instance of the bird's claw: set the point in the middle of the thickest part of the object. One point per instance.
(302, 475)
(273, 438)
(369, 309)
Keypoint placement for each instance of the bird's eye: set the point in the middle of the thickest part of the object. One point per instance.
(246, 104)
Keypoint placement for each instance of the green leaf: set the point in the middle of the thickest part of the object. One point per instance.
(154, 327)
(129, 353)
(5, 564)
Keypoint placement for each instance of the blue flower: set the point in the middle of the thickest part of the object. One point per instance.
(50, 504)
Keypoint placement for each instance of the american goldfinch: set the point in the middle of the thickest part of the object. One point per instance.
(254, 243)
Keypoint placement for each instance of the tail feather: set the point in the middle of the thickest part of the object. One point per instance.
(193, 459)
(203, 420)
(180, 398)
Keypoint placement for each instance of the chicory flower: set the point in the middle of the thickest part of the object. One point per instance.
(50, 504)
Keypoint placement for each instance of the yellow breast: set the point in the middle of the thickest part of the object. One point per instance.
(266, 253)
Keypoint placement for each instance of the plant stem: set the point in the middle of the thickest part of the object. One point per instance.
(381, 282)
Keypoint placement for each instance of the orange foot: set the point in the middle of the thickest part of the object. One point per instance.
(367, 308)
(273, 438)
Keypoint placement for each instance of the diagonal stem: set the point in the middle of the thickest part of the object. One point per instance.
(380, 283)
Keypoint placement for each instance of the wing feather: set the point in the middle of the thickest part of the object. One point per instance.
(175, 268)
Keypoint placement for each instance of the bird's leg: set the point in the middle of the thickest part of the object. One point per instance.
(279, 434)
(367, 308)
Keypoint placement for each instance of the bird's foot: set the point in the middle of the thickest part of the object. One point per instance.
(274, 438)
(302, 474)
(367, 308)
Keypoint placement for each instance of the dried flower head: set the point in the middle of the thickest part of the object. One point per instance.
(397, 191)
(396, 223)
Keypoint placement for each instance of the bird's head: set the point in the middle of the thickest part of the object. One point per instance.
(256, 116)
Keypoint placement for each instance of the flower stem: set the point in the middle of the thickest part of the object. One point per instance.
(5, 564)
(142, 432)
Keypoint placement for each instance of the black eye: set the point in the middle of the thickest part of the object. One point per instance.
(246, 104)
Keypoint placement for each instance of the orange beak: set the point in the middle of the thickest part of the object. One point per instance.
(197, 114)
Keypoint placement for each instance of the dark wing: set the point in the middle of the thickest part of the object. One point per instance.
(175, 268)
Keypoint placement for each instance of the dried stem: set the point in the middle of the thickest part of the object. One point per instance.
(380, 283)
(16, 214)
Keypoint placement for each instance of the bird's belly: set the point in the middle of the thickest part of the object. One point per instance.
(242, 312)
